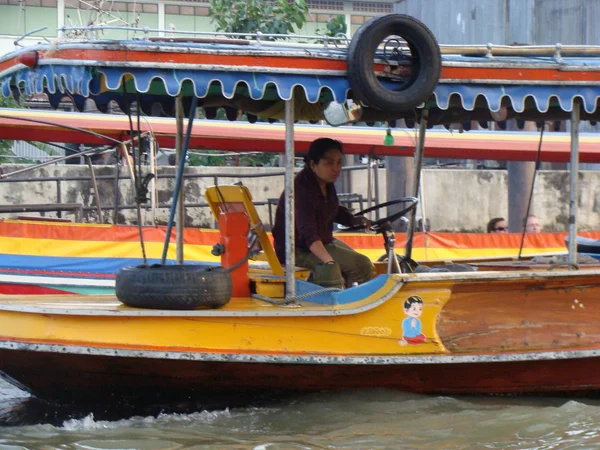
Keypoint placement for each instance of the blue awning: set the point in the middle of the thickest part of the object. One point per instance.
(517, 96)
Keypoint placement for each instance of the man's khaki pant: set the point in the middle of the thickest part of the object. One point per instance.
(356, 268)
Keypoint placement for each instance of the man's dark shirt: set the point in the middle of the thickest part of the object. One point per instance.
(314, 214)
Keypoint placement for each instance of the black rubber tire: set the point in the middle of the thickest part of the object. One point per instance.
(174, 286)
(361, 74)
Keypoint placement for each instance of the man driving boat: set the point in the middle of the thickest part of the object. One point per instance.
(317, 207)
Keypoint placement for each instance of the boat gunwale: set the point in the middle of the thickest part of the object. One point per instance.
(299, 358)
(498, 275)
(74, 305)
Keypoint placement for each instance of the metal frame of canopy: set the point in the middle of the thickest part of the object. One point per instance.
(528, 84)
(48, 126)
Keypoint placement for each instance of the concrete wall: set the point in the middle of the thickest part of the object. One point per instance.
(454, 200)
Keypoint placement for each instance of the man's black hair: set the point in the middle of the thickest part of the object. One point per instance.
(319, 147)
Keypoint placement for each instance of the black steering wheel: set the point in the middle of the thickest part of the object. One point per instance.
(376, 225)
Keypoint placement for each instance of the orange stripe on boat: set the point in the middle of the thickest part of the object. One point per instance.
(91, 232)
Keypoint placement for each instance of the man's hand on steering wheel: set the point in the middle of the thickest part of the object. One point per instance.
(361, 222)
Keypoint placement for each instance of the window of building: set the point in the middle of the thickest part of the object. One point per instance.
(373, 7)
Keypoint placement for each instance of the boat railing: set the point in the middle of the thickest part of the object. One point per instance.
(80, 210)
(346, 198)
(489, 50)
(75, 208)
(256, 38)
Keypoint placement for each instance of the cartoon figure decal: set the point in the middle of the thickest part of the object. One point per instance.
(411, 326)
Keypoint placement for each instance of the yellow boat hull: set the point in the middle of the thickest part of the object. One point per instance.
(482, 332)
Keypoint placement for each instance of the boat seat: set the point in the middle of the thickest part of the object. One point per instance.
(237, 198)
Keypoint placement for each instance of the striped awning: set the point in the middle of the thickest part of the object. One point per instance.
(470, 88)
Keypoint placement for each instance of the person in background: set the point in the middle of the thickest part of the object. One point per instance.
(316, 208)
(497, 225)
(532, 224)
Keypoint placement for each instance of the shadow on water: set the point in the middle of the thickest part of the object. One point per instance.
(15, 412)
(34, 411)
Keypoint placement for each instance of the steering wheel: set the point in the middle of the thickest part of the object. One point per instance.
(376, 225)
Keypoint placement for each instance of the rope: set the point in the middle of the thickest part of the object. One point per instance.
(287, 301)
(537, 167)
(240, 262)
(136, 182)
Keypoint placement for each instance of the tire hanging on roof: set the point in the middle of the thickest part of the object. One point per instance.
(426, 64)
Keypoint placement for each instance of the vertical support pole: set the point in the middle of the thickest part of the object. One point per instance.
(348, 20)
(376, 186)
(126, 157)
(60, 16)
(180, 212)
(95, 187)
(521, 176)
(161, 19)
(178, 182)
(416, 181)
(369, 192)
(573, 183)
(116, 187)
(290, 223)
(421, 198)
(152, 151)
(58, 197)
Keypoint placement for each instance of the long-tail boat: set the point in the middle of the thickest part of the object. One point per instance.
(498, 331)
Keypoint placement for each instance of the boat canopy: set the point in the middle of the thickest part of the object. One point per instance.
(104, 129)
(484, 83)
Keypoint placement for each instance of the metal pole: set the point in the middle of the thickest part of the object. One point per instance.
(180, 214)
(419, 150)
(95, 186)
(422, 201)
(125, 154)
(178, 181)
(290, 235)
(53, 161)
(58, 197)
(152, 150)
(369, 193)
(376, 186)
(116, 186)
(573, 185)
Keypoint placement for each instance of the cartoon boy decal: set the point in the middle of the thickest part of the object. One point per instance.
(411, 326)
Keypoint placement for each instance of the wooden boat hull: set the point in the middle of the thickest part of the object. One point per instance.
(80, 378)
(488, 332)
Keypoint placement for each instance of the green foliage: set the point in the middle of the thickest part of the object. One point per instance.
(335, 25)
(5, 146)
(217, 158)
(206, 159)
(250, 16)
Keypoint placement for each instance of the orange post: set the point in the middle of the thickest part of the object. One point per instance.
(234, 237)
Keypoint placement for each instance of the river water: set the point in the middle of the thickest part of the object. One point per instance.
(368, 419)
